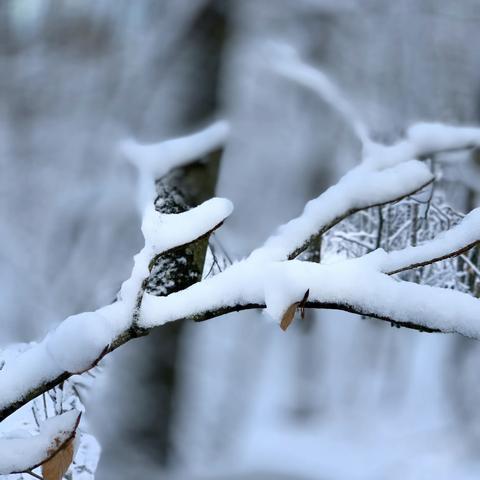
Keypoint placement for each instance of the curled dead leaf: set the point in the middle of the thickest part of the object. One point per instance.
(289, 314)
(55, 467)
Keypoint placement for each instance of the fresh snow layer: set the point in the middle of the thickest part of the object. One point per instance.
(362, 187)
(353, 284)
(79, 340)
(421, 139)
(20, 451)
(30, 368)
(288, 64)
(153, 161)
(163, 232)
(463, 235)
(166, 231)
(434, 137)
(159, 158)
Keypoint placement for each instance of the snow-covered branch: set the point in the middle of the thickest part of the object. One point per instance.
(80, 341)
(271, 277)
(361, 188)
(356, 285)
(450, 243)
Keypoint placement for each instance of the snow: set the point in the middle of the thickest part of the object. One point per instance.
(79, 339)
(163, 232)
(266, 278)
(355, 284)
(20, 451)
(465, 234)
(422, 139)
(386, 173)
(434, 137)
(20, 373)
(160, 158)
(157, 159)
(362, 187)
(287, 63)
(167, 231)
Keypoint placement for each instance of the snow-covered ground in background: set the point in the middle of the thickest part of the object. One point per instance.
(362, 425)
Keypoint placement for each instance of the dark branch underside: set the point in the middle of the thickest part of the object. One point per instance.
(136, 332)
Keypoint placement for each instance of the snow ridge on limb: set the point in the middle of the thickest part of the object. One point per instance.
(80, 341)
(431, 138)
(159, 158)
(355, 285)
(269, 278)
(163, 232)
(155, 160)
(288, 63)
(422, 139)
(451, 243)
(361, 188)
(21, 451)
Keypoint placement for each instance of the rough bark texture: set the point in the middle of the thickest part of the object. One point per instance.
(172, 271)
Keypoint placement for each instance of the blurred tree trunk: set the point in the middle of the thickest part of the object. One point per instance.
(152, 386)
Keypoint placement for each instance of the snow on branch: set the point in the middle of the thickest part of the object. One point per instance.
(154, 161)
(354, 285)
(159, 158)
(80, 341)
(270, 277)
(422, 139)
(287, 63)
(450, 243)
(432, 138)
(361, 188)
(387, 173)
(22, 452)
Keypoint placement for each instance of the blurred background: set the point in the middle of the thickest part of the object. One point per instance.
(336, 397)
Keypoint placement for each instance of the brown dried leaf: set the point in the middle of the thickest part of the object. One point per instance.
(288, 316)
(56, 466)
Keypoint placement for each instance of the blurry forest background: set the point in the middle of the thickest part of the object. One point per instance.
(336, 397)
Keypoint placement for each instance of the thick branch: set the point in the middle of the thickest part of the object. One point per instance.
(26, 387)
(208, 315)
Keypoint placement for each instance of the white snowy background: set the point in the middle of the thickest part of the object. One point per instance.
(344, 397)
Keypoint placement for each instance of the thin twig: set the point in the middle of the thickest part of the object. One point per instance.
(33, 474)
